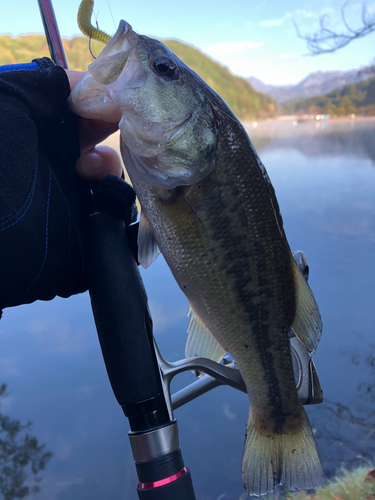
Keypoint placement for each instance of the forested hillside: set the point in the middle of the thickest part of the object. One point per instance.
(237, 92)
(357, 98)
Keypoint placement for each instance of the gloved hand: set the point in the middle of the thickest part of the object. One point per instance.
(43, 147)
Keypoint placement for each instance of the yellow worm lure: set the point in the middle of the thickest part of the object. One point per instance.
(84, 22)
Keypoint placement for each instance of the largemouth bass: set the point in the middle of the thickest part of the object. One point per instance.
(209, 206)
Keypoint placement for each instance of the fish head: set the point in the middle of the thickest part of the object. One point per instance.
(168, 126)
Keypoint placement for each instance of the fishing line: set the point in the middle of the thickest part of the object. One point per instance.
(110, 10)
(90, 47)
(90, 38)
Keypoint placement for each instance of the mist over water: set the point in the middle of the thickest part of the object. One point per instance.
(324, 177)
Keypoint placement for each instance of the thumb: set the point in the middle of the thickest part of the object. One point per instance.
(98, 162)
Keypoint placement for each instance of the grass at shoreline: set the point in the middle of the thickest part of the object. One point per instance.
(357, 484)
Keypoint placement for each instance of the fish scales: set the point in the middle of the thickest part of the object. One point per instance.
(217, 242)
(207, 201)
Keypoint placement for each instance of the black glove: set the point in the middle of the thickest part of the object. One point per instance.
(42, 200)
(117, 197)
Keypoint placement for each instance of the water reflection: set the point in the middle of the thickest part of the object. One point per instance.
(325, 181)
(22, 457)
(317, 139)
(346, 432)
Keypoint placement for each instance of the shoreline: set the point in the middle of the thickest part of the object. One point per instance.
(302, 119)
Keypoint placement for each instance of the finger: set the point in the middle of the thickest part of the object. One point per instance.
(92, 132)
(99, 162)
(74, 76)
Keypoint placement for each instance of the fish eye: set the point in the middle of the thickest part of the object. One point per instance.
(165, 67)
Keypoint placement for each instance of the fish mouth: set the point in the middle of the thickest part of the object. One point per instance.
(116, 66)
(122, 41)
(116, 70)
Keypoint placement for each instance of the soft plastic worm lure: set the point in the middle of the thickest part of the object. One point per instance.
(84, 22)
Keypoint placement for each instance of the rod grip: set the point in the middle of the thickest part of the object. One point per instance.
(119, 304)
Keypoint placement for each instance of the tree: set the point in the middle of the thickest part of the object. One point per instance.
(20, 455)
(327, 40)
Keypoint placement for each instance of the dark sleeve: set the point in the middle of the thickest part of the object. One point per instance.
(41, 199)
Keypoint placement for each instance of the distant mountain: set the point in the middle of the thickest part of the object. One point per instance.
(275, 91)
(320, 82)
(245, 102)
(357, 98)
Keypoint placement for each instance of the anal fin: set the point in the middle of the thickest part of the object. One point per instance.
(200, 342)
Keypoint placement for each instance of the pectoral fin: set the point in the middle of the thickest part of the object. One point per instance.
(148, 249)
(200, 342)
(307, 323)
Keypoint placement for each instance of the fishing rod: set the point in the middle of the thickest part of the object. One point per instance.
(124, 327)
(139, 376)
(52, 33)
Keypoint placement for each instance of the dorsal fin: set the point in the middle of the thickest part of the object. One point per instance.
(200, 342)
(148, 249)
(307, 324)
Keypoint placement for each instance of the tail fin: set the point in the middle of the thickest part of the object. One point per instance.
(288, 459)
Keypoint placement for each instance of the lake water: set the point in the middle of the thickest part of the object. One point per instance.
(324, 177)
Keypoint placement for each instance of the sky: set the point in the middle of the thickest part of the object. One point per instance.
(252, 38)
